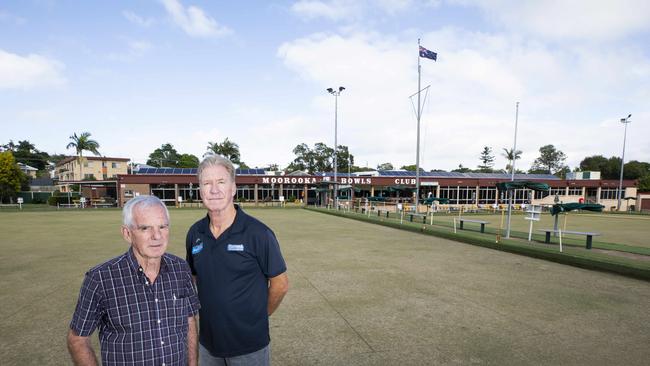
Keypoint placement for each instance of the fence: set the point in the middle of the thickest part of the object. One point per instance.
(35, 197)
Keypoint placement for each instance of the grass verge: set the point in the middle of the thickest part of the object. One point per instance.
(572, 255)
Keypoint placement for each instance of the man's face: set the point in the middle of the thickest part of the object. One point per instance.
(217, 188)
(150, 232)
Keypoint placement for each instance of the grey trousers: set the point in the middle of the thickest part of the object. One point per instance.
(257, 358)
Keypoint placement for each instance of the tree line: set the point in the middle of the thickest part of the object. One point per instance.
(319, 158)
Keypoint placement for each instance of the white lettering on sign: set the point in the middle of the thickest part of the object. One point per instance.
(289, 180)
(404, 180)
(356, 180)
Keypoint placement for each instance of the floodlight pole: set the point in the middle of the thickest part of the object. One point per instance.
(512, 172)
(336, 94)
(624, 121)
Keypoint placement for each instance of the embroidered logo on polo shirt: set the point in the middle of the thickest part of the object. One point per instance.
(235, 247)
(197, 247)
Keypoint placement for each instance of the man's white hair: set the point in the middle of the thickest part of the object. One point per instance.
(143, 201)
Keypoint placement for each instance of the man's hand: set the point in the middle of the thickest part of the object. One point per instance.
(80, 349)
(278, 287)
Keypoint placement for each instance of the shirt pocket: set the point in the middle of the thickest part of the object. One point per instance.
(176, 312)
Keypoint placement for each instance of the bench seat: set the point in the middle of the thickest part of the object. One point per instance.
(483, 223)
(589, 235)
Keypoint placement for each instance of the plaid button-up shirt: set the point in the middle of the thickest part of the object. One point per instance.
(140, 323)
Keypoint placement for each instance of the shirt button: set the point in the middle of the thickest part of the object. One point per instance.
(158, 321)
(156, 300)
(162, 342)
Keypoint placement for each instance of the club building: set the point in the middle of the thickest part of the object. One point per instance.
(259, 187)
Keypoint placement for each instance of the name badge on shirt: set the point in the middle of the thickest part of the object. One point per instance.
(235, 247)
(196, 248)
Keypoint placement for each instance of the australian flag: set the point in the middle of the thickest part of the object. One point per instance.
(428, 54)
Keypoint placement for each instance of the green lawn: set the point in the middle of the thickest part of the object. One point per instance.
(361, 294)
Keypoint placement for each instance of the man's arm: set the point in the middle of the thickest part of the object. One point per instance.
(278, 287)
(192, 342)
(80, 349)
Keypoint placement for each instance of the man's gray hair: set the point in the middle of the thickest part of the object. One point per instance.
(143, 201)
(214, 160)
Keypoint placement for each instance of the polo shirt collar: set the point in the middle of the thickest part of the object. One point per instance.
(237, 226)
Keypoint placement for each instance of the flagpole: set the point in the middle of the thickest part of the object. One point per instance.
(511, 192)
(417, 153)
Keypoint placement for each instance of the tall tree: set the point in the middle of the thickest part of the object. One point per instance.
(635, 169)
(164, 156)
(321, 158)
(550, 160)
(26, 153)
(227, 149)
(462, 169)
(612, 170)
(596, 163)
(83, 143)
(511, 155)
(411, 168)
(10, 176)
(644, 184)
(385, 166)
(304, 160)
(344, 159)
(487, 160)
(187, 161)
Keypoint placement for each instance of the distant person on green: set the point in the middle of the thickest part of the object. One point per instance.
(239, 270)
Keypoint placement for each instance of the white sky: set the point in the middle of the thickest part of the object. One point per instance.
(137, 74)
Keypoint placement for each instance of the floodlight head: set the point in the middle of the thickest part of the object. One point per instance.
(341, 88)
(330, 90)
(629, 115)
(623, 120)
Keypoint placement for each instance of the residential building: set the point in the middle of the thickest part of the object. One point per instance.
(74, 168)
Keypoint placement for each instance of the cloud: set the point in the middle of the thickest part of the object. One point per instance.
(28, 72)
(564, 92)
(568, 20)
(138, 20)
(136, 49)
(343, 10)
(333, 10)
(194, 21)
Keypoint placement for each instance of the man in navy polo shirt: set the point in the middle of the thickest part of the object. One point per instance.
(239, 271)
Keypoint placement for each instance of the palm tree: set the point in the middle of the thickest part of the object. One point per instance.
(227, 148)
(508, 154)
(83, 143)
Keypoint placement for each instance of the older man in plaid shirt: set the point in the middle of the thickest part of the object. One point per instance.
(143, 301)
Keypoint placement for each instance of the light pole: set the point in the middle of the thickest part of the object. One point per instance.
(624, 121)
(336, 94)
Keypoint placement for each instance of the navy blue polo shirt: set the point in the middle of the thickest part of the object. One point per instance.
(232, 275)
